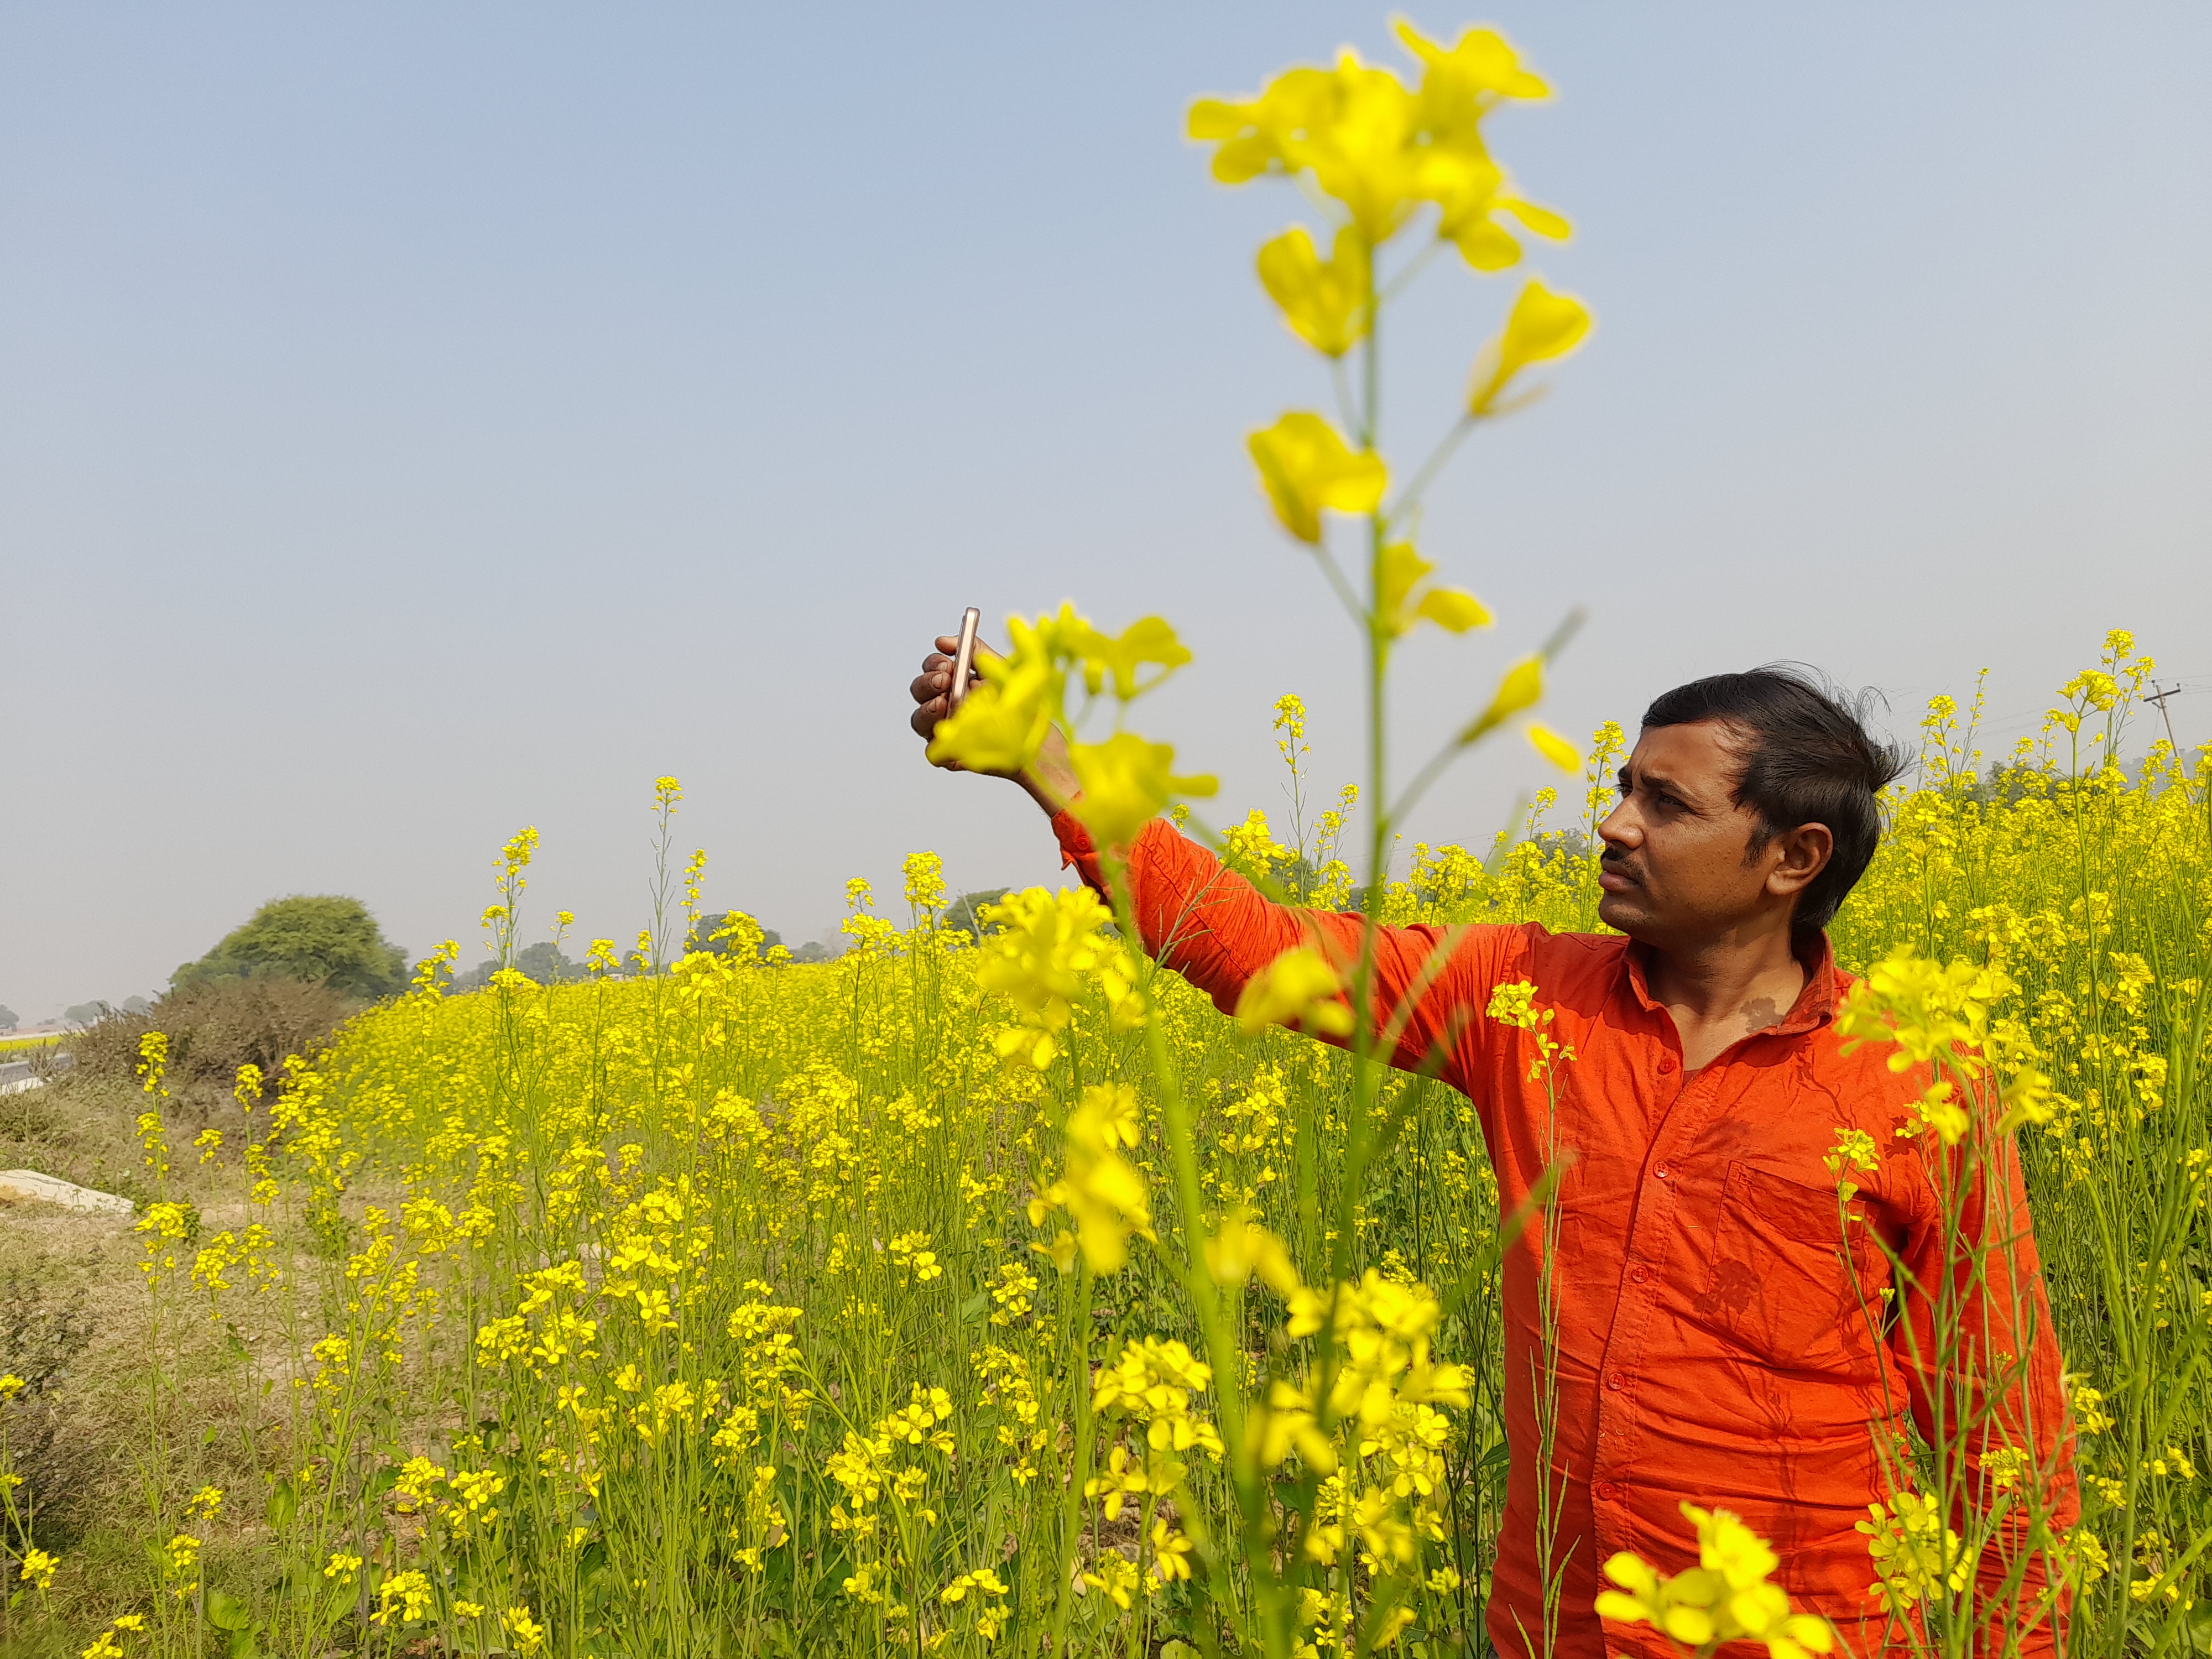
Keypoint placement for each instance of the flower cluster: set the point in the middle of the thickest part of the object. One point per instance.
(1047, 949)
(1726, 1597)
(1106, 1196)
(1915, 1555)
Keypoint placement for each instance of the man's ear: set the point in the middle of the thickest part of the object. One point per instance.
(1799, 856)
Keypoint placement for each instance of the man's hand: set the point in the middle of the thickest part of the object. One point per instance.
(1049, 780)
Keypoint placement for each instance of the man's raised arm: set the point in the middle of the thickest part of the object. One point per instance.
(1218, 931)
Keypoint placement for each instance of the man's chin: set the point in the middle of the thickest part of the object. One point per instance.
(1620, 911)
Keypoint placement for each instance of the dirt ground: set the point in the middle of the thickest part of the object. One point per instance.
(105, 1439)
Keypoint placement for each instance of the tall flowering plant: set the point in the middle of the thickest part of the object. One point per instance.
(1334, 1447)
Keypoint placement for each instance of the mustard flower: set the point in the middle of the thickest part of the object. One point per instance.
(1299, 988)
(1541, 325)
(1325, 302)
(1307, 469)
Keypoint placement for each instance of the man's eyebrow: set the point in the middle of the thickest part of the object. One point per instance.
(1662, 784)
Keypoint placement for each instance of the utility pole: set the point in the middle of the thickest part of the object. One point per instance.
(2160, 699)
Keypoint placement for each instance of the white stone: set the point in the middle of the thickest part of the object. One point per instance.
(20, 1184)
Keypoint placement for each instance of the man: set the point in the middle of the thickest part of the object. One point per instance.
(1717, 1340)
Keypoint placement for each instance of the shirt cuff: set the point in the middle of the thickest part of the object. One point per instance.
(1075, 842)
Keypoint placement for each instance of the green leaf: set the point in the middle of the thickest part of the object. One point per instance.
(283, 1503)
(227, 1611)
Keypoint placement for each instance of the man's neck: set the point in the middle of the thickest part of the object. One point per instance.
(1723, 990)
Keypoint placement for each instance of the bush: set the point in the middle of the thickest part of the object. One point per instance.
(216, 1025)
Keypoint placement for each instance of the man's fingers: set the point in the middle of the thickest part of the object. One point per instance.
(931, 687)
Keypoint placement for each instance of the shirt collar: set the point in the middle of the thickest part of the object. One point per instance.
(1825, 985)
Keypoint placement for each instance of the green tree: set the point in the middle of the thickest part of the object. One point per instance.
(963, 912)
(7, 1020)
(544, 964)
(702, 936)
(84, 1013)
(331, 939)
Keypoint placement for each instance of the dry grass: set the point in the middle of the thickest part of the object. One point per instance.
(218, 1025)
(76, 1323)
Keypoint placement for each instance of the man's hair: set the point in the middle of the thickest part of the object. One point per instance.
(1807, 759)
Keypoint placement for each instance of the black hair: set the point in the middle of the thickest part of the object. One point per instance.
(1807, 759)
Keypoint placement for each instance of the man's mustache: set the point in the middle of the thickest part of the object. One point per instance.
(1618, 864)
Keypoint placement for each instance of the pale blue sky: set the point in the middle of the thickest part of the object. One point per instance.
(416, 421)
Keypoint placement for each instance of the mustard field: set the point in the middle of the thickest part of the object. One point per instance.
(740, 1306)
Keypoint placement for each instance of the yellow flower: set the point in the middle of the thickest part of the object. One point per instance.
(1046, 947)
(1480, 68)
(1126, 783)
(1116, 1578)
(1554, 748)
(1942, 1112)
(1855, 1149)
(1170, 1552)
(1002, 723)
(1915, 1554)
(1307, 467)
(1147, 641)
(1522, 688)
(38, 1570)
(1398, 572)
(2084, 1558)
(2090, 1416)
(1325, 302)
(1541, 325)
(1241, 1247)
(2003, 1467)
(1726, 1597)
(1298, 987)
(1104, 1193)
(529, 1635)
(1354, 128)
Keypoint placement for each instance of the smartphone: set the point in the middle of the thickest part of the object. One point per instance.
(964, 660)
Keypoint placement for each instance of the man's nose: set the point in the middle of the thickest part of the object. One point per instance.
(1620, 828)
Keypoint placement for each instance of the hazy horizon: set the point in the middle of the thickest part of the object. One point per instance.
(418, 423)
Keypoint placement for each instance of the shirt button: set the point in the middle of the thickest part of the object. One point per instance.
(1637, 1273)
(1660, 1170)
(1665, 1066)
(1614, 1382)
(1608, 1491)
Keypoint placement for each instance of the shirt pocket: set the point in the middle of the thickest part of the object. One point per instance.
(1784, 1283)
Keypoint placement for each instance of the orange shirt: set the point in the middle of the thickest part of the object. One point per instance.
(1711, 1346)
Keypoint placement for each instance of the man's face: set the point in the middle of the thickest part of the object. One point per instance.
(1677, 867)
